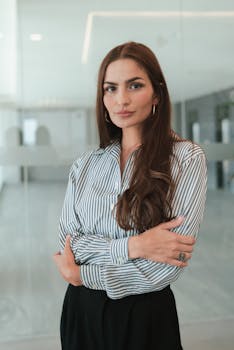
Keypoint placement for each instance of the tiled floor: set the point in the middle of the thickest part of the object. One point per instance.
(31, 292)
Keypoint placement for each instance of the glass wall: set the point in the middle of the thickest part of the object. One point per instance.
(50, 52)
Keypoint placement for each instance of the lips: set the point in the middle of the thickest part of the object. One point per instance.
(124, 113)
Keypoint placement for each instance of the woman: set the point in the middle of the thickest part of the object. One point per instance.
(131, 214)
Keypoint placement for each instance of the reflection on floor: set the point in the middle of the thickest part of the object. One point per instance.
(31, 292)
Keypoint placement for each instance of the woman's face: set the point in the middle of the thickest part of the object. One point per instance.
(128, 93)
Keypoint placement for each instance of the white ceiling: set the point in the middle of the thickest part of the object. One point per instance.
(195, 50)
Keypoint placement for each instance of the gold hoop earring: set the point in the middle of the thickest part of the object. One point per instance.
(154, 109)
(106, 118)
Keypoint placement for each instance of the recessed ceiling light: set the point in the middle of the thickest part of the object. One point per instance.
(1, 35)
(161, 41)
(36, 37)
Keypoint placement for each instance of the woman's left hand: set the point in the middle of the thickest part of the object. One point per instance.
(67, 266)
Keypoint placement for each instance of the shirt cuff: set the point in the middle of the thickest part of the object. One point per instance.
(119, 251)
(91, 276)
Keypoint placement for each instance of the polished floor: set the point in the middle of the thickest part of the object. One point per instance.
(31, 291)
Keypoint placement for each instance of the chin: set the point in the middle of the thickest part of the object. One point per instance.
(123, 125)
(127, 122)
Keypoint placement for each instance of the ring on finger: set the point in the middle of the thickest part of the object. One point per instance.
(182, 257)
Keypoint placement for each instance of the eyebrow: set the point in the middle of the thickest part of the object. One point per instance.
(127, 81)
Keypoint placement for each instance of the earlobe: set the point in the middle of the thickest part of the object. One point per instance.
(155, 104)
(155, 100)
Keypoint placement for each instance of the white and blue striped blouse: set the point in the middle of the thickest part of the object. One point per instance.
(99, 245)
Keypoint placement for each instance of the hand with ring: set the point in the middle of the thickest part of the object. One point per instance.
(160, 244)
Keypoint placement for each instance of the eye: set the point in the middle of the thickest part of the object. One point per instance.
(110, 88)
(136, 86)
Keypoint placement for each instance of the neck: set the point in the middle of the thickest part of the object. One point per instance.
(130, 139)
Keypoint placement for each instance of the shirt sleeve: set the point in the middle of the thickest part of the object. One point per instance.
(87, 248)
(139, 276)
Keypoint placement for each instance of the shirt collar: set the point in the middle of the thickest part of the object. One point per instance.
(113, 149)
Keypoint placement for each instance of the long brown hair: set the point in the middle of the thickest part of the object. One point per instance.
(147, 202)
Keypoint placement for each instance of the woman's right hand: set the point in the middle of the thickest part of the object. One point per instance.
(161, 245)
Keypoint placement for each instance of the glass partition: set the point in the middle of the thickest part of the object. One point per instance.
(49, 54)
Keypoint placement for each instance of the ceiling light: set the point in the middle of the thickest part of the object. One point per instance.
(1, 35)
(35, 37)
(88, 30)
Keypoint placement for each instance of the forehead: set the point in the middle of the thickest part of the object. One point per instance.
(124, 69)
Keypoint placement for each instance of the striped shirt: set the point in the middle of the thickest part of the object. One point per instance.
(99, 244)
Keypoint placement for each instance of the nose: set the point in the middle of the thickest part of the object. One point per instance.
(122, 97)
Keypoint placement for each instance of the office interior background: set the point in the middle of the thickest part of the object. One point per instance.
(50, 51)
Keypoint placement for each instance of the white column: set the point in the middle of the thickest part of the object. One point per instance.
(8, 49)
(8, 80)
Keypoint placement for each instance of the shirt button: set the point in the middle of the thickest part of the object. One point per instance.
(112, 206)
(116, 185)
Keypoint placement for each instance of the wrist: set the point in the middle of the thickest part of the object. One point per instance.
(75, 275)
(134, 247)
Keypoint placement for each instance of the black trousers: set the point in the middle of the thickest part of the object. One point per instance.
(92, 321)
